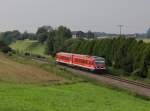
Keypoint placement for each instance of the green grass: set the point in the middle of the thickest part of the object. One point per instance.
(30, 46)
(146, 40)
(75, 97)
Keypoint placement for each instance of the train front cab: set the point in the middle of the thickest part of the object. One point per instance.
(100, 66)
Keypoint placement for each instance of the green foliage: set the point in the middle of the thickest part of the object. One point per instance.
(42, 37)
(27, 35)
(42, 33)
(4, 48)
(10, 36)
(90, 35)
(44, 29)
(50, 46)
(116, 72)
(122, 53)
(56, 40)
(63, 33)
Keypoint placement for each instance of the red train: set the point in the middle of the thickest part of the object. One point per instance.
(92, 63)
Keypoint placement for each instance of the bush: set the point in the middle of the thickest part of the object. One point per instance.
(117, 72)
(4, 48)
(27, 54)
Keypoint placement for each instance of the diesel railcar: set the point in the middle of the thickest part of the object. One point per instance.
(92, 63)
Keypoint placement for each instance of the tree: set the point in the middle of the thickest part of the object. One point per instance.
(148, 33)
(7, 38)
(16, 34)
(42, 33)
(55, 39)
(4, 48)
(25, 35)
(42, 37)
(44, 29)
(90, 35)
(49, 49)
(10, 36)
(62, 34)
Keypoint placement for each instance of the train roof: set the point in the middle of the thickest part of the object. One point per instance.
(95, 57)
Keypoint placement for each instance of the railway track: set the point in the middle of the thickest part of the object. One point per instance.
(135, 83)
(128, 81)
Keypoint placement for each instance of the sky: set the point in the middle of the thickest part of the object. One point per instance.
(94, 15)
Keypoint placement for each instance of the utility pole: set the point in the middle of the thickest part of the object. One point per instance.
(120, 28)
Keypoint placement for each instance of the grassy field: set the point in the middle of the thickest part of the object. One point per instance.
(75, 97)
(28, 46)
(145, 40)
(23, 88)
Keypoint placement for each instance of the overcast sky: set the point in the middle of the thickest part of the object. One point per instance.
(95, 15)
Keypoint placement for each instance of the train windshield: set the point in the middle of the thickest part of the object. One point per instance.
(100, 61)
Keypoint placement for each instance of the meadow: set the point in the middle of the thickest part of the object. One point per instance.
(146, 40)
(72, 97)
(31, 46)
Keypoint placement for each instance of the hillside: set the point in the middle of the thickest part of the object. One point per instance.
(21, 83)
(15, 72)
(28, 46)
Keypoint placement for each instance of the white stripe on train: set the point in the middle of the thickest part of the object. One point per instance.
(77, 65)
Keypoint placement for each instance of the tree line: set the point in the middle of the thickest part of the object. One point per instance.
(122, 53)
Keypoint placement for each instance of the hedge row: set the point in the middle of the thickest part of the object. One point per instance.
(123, 53)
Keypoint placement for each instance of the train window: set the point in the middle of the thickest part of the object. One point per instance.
(100, 59)
(100, 62)
(76, 60)
(81, 61)
(64, 57)
(87, 62)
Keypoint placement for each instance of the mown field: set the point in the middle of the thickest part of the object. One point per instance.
(25, 85)
(30, 46)
(75, 97)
